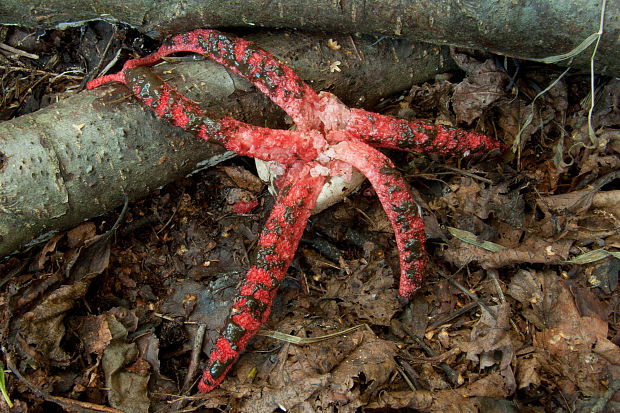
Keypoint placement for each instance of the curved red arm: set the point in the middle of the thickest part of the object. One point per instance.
(401, 209)
(276, 248)
(274, 79)
(284, 146)
(387, 132)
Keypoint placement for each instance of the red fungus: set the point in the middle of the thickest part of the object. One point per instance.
(330, 138)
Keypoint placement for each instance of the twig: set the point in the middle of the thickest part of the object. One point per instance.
(355, 48)
(446, 319)
(96, 70)
(18, 52)
(193, 364)
(17, 270)
(465, 291)
(412, 377)
(467, 173)
(44, 72)
(406, 377)
(498, 288)
(453, 376)
(440, 358)
(173, 213)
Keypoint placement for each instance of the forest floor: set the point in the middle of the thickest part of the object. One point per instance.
(518, 312)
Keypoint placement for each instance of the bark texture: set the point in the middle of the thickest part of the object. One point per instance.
(525, 29)
(78, 159)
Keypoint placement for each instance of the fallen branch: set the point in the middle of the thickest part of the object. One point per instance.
(533, 29)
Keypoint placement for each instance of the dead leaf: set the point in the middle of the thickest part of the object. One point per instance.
(371, 364)
(81, 234)
(141, 367)
(531, 250)
(564, 333)
(243, 178)
(568, 331)
(127, 390)
(607, 349)
(483, 86)
(470, 197)
(148, 347)
(285, 397)
(41, 330)
(419, 400)
(95, 333)
(374, 299)
(467, 398)
(50, 246)
(211, 307)
(428, 98)
(536, 292)
(492, 335)
(126, 317)
(528, 371)
(605, 273)
(360, 364)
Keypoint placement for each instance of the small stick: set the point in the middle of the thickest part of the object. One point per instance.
(466, 291)
(453, 376)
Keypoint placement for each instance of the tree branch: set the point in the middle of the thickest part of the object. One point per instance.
(532, 29)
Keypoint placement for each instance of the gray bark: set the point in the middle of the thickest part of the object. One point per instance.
(78, 159)
(524, 29)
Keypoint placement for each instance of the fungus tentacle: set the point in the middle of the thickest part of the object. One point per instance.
(276, 248)
(328, 134)
(401, 209)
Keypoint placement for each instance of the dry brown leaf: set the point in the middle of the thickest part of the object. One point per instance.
(243, 178)
(369, 293)
(148, 347)
(568, 331)
(211, 306)
(483, 86)
(528, 369)
(419, 400)
(429, 97)
(491, 336)
(467, 398)
(366, 370)
(470, 197)
(607, 349)
(564, 333)
(79, 235)
(95, 333)
(296, 380)
(532, 250)
(285, 397)
(140, 367)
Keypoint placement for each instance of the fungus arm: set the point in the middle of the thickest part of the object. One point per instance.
(401, 209)
(276, 248)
